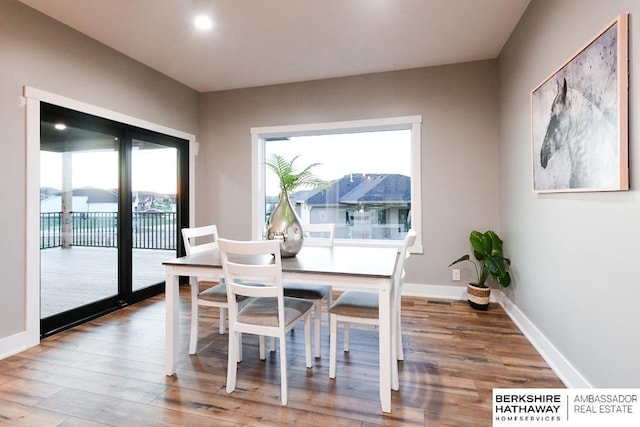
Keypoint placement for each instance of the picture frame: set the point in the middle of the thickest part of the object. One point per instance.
(579, 118)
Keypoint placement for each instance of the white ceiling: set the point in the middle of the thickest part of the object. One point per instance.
(264, 42)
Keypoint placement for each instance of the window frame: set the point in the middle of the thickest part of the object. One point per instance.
(260, 134)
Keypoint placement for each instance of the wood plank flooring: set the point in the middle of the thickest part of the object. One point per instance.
(111, 372)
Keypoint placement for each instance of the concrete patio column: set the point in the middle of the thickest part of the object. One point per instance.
(66, 201)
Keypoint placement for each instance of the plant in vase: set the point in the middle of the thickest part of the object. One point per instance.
(490, 261)
(283, 223)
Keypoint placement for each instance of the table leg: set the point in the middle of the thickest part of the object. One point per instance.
(171, 322)
(384, 312)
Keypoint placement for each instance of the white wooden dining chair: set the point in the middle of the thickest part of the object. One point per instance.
(398, 277)
(319, 234)
(197, 240)
(315, 235)
(253, 269)
(362, 307)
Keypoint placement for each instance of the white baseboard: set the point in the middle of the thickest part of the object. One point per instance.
(13, 344)
(567, 373)
(439, 291)
(562, 367)
(435, 291)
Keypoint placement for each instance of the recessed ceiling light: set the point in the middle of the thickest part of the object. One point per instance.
(203, 22)
(60, 126)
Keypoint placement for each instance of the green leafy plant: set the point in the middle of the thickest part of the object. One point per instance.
(290, 179)
(487, 250)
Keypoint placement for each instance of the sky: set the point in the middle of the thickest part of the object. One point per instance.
(338, 155)
(100, 170)
(342, 154)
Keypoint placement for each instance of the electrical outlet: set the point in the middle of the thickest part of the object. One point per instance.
(455, 274)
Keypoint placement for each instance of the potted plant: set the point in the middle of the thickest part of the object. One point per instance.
(283, 223)
(490, 261)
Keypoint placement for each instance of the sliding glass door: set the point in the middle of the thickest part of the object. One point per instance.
(110, 213)
(78, 215)
(154, 214)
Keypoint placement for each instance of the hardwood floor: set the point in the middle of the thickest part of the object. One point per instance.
(111, 372)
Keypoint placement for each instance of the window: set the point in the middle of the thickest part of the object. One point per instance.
(372, 168)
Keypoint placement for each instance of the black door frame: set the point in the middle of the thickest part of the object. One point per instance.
(125, 132)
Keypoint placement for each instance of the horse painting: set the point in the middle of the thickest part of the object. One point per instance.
(576, 128)
(585, 137)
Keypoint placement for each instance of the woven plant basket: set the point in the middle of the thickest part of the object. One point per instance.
(478, 297)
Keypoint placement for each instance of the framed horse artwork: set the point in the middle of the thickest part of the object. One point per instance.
(579, 123)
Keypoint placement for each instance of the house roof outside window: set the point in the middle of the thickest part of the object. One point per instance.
(359, 189)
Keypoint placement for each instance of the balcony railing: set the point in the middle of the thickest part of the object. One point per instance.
(151, 230)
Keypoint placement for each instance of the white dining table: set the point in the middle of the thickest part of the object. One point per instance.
(342, 267)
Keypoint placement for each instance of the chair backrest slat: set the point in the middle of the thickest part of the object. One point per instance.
(252, 269)
(200, 239)
(319, 234)
(243, 278)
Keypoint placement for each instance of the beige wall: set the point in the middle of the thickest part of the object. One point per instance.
(39, 52)
(458, 104)
(575, 255)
